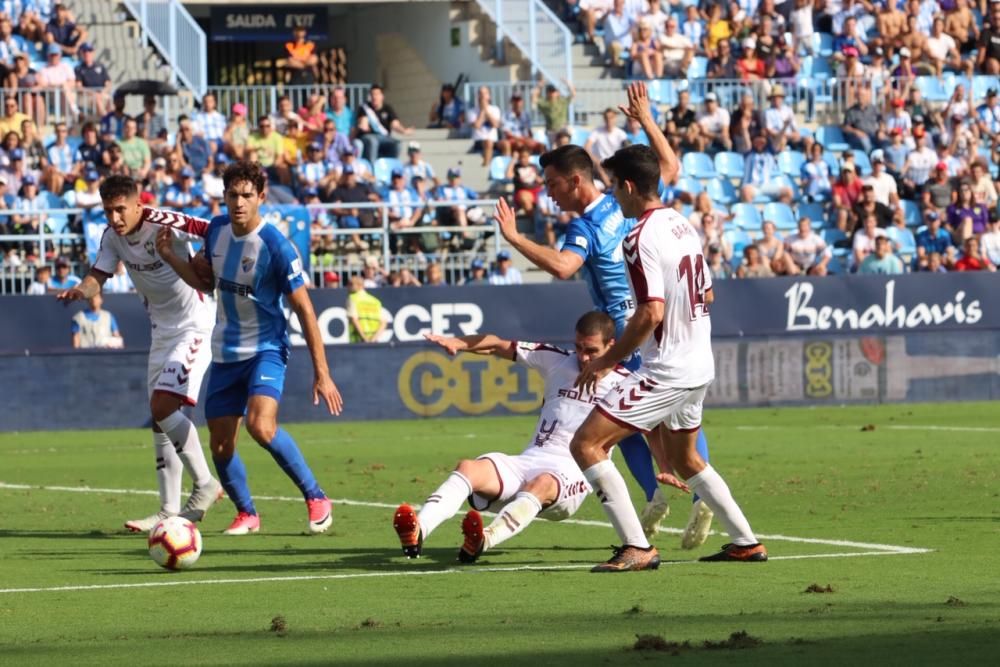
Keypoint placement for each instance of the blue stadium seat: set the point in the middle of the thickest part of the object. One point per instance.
(746, 216)
(904, 241)
(832, 162)
(690, 185)
(56, 222)
(580, 136)
(911, 213)
(738, 239)
(383, 168)
(823, 44)
(936, 89)
(663, 91)
(366, 164)
(721, 191)
(540, 135)
(786, 182)
(698, 165)
(790, 162)
(983, 82)
(812, 210)
(862, 162)
(729, 164)
(832, 138)
(498, 168)
(698, 69)
(781, 215)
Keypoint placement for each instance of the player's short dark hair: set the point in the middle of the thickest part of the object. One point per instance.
(638, 164)
(244, 171)
(596, 322)
(569, 159)
(117, 186)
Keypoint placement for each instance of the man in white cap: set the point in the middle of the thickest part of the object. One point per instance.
(713, 125)
(779, 121)
(883, 184)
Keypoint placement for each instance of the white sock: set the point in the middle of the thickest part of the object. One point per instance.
(512, 519)
(609, 487)
(712, 489)
(444, 503)
(184, 437)
(169, 471)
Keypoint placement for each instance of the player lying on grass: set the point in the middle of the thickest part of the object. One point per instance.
(182, 320)
(543, 480)
(256, 267)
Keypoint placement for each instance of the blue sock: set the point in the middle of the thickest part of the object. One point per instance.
(233, 475)
(639, 462)
(289, 457)
(702, 447)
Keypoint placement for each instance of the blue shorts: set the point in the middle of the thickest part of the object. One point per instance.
(230, 385)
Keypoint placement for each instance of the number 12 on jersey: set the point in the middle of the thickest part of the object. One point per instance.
(692, 271)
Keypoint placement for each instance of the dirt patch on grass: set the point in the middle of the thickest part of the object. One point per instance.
(279, 625)
(658, 643)
(868, 427)
(370, 623)
(816, 588)
(737, 640)
(953, 601)
(635, 610)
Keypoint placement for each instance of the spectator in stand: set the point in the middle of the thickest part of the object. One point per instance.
(485, 121)
(935, 239)
(753, 265)
(760, 168)
(718, 28)
(651, 11)
(90, 198)
(184, 193)
(477, 273)
(454, 191)
(881, 261)
(92, 79)
(972, 259)
(314, 171)
(779, 121)
(35, 157)
(965, 217)
(10, 45)
(15, 171)
(376, 123)
(988, 55)
(645, 54)
(301, 60)
(747, 122)
(152, 124)
(750, 67)
(868, 204)
(593, 12)
(898, 117)
(405, 212)
(12, 119)
(864, 240)
(94, 327)
(940, 50)
(990, 241)
(515, 128)
(352, 191)
(677, 50)
(918, 166)
(40, 285)
(723, 65)
(784, 65)
(63, 279)
(681, 124)
(815, 174)
(527, 179)
(114, 164)
(60, 161)
(805, 252)
(209, 123)
(340, 113)
(552, 220)
(195, 149)
(712, 237)
(983, 190)
(59, 74)
(862, 127)
(693, 28)
(850, 36)
(25, 80)
(895, 154)
(434, 276)
(713, 126)
(237, 134)
(846, 193)
(988, 116)
(703, 208)
(269, 147)
(449, 111)
(349, 158)
(31, 207)
(717, 264)
(606, 140)
(135, 150)
(364, 313)
(938, 192)
(505, 273)
(618, 28)
(635, 135)
(416, 166)
(960, 25)
(554, 108)
(63, 32)
(113, 122)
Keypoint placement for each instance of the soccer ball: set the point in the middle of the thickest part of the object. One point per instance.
(175, 543)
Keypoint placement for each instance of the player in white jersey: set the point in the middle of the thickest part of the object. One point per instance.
(543, 480)
(182, 319)
(672, 289)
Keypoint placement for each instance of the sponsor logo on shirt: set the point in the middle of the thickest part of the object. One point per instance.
(235, 288)
(152, 266)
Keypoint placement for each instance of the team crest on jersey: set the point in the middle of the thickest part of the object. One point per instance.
(247, 264)
(150, 247)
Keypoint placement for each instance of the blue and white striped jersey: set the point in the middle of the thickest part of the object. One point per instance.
(252, 273)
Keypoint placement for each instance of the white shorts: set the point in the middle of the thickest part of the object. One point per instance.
(514, 471)
(642, 404)
(178, 363)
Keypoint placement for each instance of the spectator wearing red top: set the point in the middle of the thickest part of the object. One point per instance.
(846, 193)
(971, 259)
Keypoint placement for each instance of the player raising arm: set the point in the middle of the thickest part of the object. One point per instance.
(671, 286)
(543, 479)
(179, 355)
(593, 242)
(252, 266)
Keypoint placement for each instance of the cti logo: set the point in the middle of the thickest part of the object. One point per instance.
(430, 383)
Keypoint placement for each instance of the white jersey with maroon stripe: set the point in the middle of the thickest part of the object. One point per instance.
(565, 407)
(665, 263)
(172, 304)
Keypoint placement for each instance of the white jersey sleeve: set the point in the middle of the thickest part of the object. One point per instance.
(107, 254)
(540, 356)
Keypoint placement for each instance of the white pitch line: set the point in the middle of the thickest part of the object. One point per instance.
(889, 427)
(372, 575)
(882, 548)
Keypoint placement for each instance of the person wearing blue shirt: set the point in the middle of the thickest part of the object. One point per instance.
(935, 239)
(881, 261)
(252, 267)
(340, 113)
(183, 194)
(592, 245)
(113, 122)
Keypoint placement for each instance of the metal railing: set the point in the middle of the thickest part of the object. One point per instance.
(538, 33)
(262, 100)
(177, 36)
(57, 104)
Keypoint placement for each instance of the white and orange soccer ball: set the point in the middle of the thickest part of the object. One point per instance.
(175, 543)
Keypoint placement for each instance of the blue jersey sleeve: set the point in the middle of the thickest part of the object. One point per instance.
(580, 239)
(286, 267)
(114, 324)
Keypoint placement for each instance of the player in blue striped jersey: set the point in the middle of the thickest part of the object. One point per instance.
(252, 266)
(593, 245)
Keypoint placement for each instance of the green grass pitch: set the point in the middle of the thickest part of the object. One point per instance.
(895, 508)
